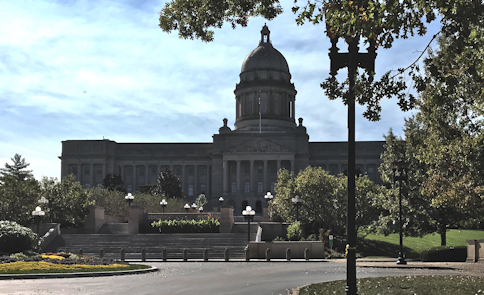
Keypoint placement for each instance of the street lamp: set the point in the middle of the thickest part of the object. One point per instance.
(200, 209)
(221, 200)
(129, 199)
(352, 60)
(248, 216)
(186, 207)
(402, 176)
(268, 197)
(194, 206)
(37, 214)
(163, 204)
(297, 203)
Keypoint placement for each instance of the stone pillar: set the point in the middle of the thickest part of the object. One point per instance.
(146, 174)
(104, 170)
(135, 218)
(91, 175)
(207, 182)
(264, 185)
(135, 171)
(265, 214)
(226, 220)
(252, 189)
(79, 172)
(226, 177)
(278, 165)
(122, 174)
(195, 181)
(292, 166)
(183, 180)
(94, 219)
(238, 176)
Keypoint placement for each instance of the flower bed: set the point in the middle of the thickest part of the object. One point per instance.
(20, 263)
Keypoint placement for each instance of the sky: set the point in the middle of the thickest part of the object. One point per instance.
(104, 69)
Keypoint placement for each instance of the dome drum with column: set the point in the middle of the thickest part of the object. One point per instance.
(265, 96)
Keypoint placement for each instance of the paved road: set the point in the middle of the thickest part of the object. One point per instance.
(207, 278)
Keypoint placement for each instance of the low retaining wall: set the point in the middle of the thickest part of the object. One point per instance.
(278, 250)
(475, 250)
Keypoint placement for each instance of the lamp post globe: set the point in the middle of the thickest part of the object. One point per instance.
(163, 204)
(268, 197)
(129, 198)
(186, 207)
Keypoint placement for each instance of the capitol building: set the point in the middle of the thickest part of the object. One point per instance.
(241, 163)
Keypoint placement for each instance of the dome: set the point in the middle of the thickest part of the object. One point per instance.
(265, 56)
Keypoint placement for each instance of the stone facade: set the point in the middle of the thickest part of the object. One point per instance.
(241, 164)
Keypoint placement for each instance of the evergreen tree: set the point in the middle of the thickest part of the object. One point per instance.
(167, 185)
(17, 169)
(114, 182)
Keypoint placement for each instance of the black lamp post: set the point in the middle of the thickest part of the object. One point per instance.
(352, 60)
(402, 176)
(37, 214)
(163, 204)
(221, 201)
(268, 197)
(129, 198)
(248, 216)
(297, 201)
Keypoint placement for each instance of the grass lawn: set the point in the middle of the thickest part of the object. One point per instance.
(440, 285)
(380, 245)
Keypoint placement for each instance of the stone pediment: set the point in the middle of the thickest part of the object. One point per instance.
(258, 146)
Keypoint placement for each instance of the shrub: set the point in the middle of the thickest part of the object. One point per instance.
(294, 231)
(209, 225)
(16, 238)
(445, 254)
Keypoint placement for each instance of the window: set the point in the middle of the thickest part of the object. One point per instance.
(247, 187)
(260, 187)
(190, 190)
(234, 187)
(86, 170)
(202, 188)
(259, 169)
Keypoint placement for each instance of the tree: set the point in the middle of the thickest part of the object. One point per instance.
(323, 200)
(114, 182)
(168, 185)
(378, 22)
(68, 201)
(200, 201)
(17, 169)
(18, 198)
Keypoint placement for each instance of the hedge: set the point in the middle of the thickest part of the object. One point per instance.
(15, 238)
(209, 225)
(445, 254)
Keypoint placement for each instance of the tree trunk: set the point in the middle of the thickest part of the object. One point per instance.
(443, 234)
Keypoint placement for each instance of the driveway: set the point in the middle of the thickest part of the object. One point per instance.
(206, 278)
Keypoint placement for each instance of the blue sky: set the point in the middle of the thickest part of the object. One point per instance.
(104, 69)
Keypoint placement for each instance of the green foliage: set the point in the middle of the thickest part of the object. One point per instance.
(113, 202)
(114, 182)
(209, 225)
(324, 200)
(445, 254)
(201, 200)
(17, 170)
(68, 201)
(18, 198)
(168, 185)
(16, 238)
(294, 231)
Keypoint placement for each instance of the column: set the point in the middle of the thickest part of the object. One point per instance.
(207, 181)
(183, 182)
(146, 174)
(238, 176)
(91, 175)
(122, 174)
(265, 177)
(79, 172)
(278, 165)
(134, 178)
(292, 166)
(195, 180)
(226, 176)
(252, 176)
(104, 170)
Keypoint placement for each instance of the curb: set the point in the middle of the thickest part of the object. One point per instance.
(76, 274)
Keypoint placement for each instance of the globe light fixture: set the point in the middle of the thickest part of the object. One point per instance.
(163, 204)
(186, 207)
(129, 198)
(248, 214)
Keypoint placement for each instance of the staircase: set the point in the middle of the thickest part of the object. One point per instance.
(216, 243)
